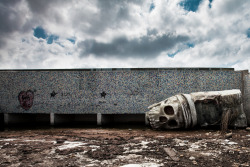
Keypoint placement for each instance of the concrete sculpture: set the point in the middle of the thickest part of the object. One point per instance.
(198, 109)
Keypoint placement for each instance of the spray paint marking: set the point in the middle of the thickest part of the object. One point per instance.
(26, 99)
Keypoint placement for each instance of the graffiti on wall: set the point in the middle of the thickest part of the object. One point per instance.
(103, 94)
(53, 94)
(26, 99)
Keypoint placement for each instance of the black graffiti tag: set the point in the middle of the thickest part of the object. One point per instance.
(103, 94)
(26, 99)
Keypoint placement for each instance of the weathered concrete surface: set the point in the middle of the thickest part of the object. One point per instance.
(105, 91)
(247, 97)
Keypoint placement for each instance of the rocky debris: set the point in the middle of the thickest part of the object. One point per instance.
(228, 135)
(119, 147)
(107, 152)
(59, 140)
(69, 151)
(171, 153)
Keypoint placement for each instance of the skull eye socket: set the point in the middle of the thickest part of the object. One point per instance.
(169, 110)
(163, 119)
(172, 123)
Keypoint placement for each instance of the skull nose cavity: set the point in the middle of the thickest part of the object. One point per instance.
(172, 123)
(163, 119)
(169, 110)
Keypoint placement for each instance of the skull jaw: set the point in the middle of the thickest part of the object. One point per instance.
(175, 112)
(157, 121)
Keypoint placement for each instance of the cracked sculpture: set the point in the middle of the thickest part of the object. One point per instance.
(223, 108)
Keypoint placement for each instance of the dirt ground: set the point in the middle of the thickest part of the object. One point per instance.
(140, 147)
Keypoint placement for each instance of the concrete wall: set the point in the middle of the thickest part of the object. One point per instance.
(105, 91)
(247, 97)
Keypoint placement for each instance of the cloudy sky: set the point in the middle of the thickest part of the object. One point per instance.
(38, 34)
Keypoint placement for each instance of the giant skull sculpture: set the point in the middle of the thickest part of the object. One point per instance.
(198, 109)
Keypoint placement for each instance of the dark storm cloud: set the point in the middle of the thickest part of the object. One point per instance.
(46, 10)
(9, 3)
(10, 19)
(112, 13)
(38, 6)
(145, 46)
(43, 6)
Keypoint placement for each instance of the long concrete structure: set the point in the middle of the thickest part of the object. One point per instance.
(104, 95)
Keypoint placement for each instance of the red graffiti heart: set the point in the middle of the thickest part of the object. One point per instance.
(26, 99)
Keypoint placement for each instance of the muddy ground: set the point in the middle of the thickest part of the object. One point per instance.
(140, 147)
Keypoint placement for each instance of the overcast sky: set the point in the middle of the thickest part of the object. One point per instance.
(38, 34)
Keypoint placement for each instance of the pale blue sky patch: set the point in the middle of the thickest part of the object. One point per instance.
(190, 5)
(52, 38)
(210, 3)
(173, 54)
(39, 32)
(152, 7)
(60, 44)
(72, 40)
(190, 45)
(248, 33)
